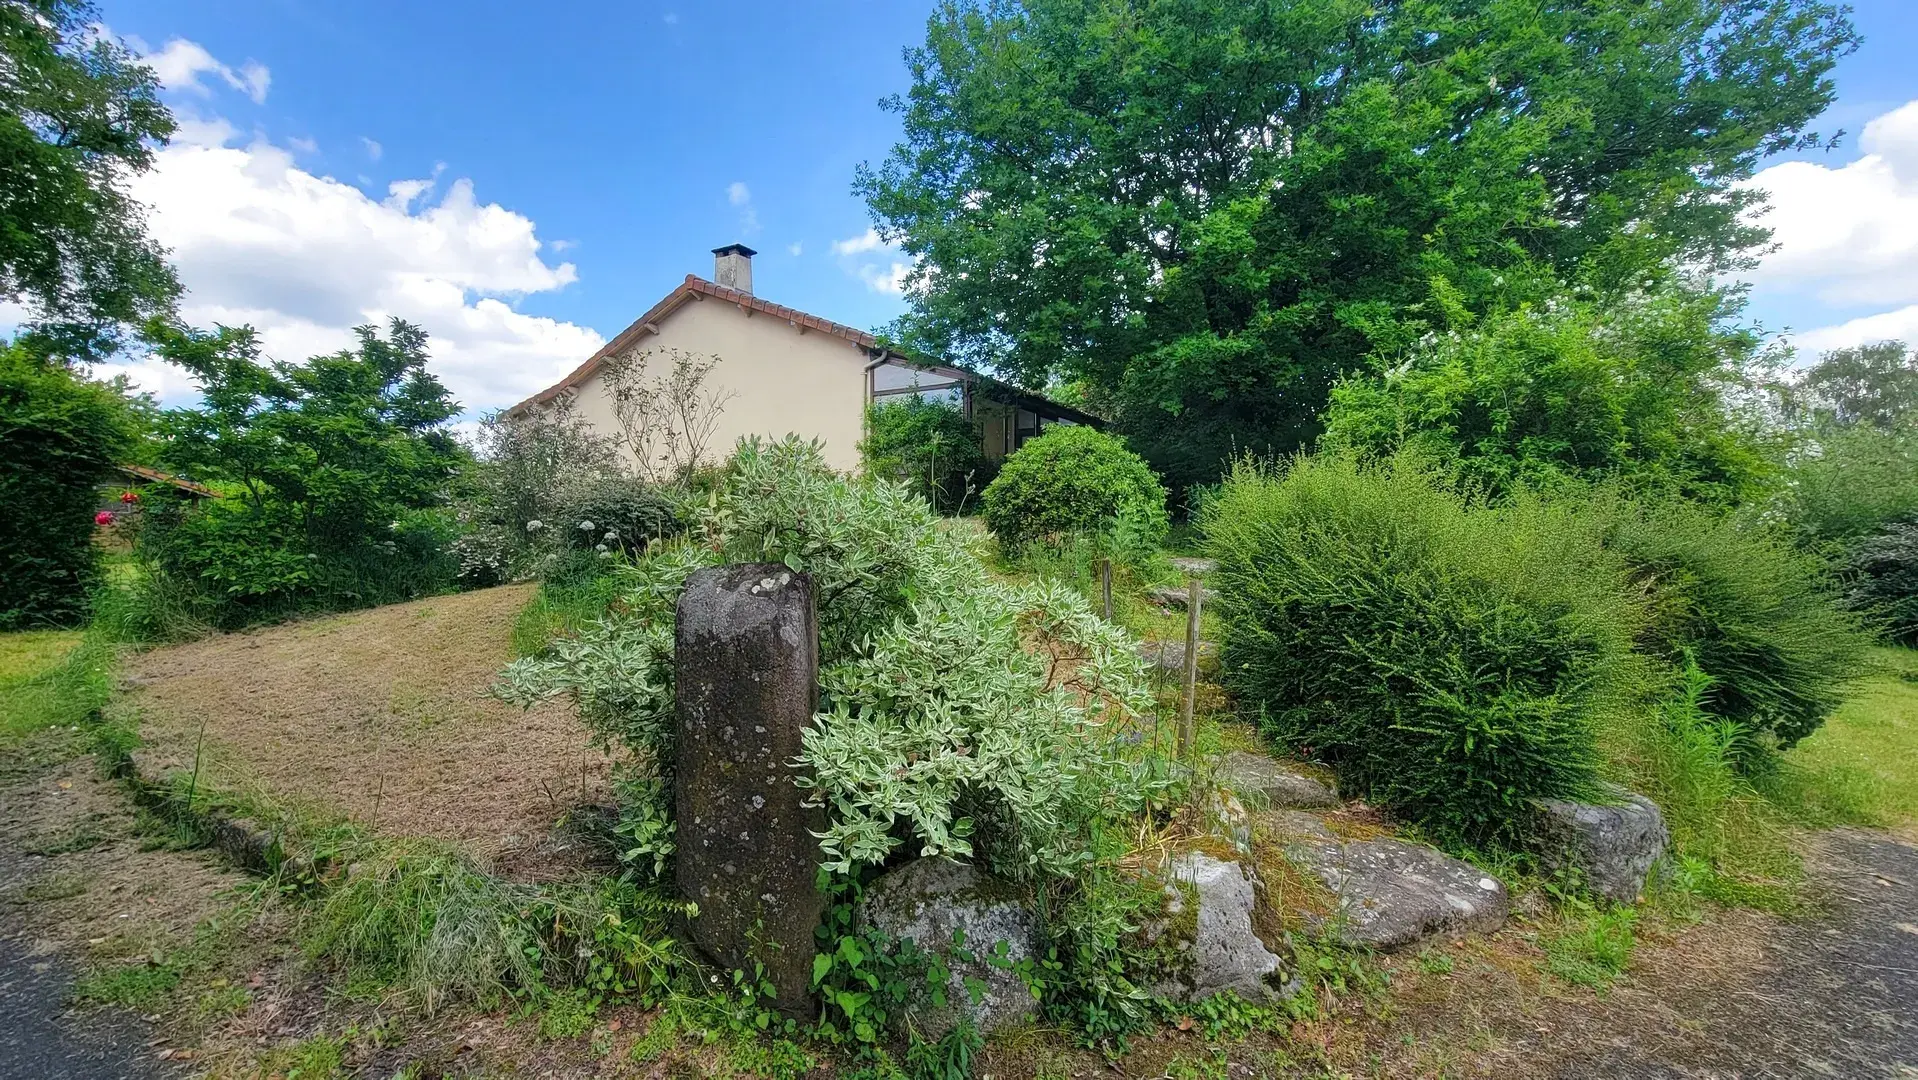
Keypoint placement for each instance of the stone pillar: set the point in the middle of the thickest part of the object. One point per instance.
(746, 668)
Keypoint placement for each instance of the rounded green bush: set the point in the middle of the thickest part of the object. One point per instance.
(1071, 479)
(1452, 661)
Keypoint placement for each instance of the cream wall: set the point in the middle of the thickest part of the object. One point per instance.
(782, 381)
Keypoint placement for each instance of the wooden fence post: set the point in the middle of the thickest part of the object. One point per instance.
(1187, 731)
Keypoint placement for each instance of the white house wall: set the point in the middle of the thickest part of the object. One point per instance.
(781, 381)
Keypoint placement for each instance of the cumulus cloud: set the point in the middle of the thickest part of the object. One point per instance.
(304, 258)
(738, 194)
(180, 65)
(870, 240)
(875, 261)
(1848, 235)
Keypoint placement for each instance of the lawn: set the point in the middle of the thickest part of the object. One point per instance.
(30, 691)
(1862, 766)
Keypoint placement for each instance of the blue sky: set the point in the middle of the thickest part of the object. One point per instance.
(525, 181)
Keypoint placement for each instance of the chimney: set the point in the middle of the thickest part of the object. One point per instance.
(733, 267)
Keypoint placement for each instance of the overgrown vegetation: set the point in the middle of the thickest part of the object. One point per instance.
(337, 474)
(1452, 660)
(930, 447)
(60, 436)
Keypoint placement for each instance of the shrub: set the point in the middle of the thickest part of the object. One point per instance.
(1883, 572)
(1451, 660)
(610, 513)
(1848, 482)
(1071, 479)
(1633, 390)
(1758, 617)
(337, 474)
(59, 436)
(923, 663)
(928, 446)
(525, 465)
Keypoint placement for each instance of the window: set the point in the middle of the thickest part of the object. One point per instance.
(1025, 428)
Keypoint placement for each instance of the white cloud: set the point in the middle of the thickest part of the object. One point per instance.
(1848, 235)
(304, 258)
(180, 65)
(796, 248)
(738, 194)
(886, 279)
(870, 240)
(373, 148)
(874, 260)
(303, 145)
(1899, 325)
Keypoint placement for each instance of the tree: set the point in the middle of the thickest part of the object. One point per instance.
(1864, 384)
(1638, 390)
(1210, 209)
(78, 115)
(60, 434)
(336, 471)
(930, 447)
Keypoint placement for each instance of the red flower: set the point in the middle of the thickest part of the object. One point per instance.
(104, 517)
(129, 497)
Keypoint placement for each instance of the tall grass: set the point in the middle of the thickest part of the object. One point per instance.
(561, 609)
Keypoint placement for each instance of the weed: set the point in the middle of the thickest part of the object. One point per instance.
(1214, 1066)
(660, 1038)
(1594, 950)
(221, 1001)
(566, 1014)
(1434, 962)
(950, 1058)
(1230, 1017)
(143, 986)
(318, 1058)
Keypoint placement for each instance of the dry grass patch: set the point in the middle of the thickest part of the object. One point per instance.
(380, 716)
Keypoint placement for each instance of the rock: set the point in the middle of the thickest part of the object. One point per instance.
(1292, 825)
(1611, 848)
(1174, 596)
(1229, 818)
(1170, 655)
(746, 663)
(1219, 948)
(1274, 782)
(1193, 566)
(926, 900)
(1392, 894)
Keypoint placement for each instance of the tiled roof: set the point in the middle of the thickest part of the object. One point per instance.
(693, 288)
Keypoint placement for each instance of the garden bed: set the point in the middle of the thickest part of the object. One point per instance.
(381, 717)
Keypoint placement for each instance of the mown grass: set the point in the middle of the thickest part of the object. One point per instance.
(1861, 768)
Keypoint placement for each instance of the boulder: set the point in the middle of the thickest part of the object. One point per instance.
(1193, 566)
(1610, 847)
(1209, 915)
(1169, 656)
(927, 901)
(1275, 783)
(1174, 596)
(1392, 894)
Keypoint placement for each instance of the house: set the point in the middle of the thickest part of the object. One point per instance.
(784, 371)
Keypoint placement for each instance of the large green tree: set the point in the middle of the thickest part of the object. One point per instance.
(336, 474)
(1210, 209)
(78, 115)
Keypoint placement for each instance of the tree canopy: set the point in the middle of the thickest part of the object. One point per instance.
(1210, 209)
(1873, 384)
(78, 115)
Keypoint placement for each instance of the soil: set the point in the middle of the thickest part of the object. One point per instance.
(381, 716)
